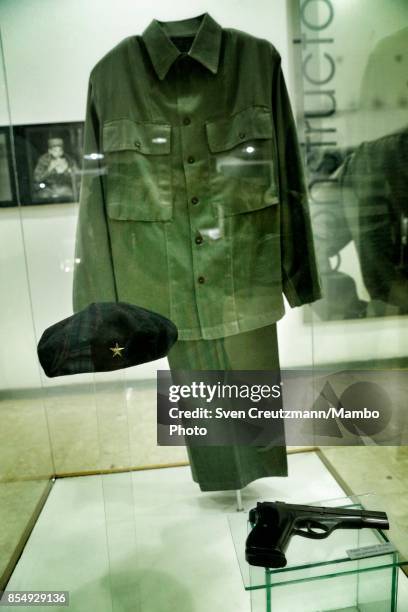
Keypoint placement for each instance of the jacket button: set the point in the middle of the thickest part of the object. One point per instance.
(194, 200)
(242, 134)
(191, 160)
(201, 280)
(137, 144)
(186, 121)
(198, 239)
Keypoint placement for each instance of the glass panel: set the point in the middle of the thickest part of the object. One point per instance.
(352, 82)
(26, 462)
(355, 134)
(320, 575)
(203, 251)
(367, 592)
(308, 559)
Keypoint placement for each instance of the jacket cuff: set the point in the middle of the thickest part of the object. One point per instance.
(301, 296)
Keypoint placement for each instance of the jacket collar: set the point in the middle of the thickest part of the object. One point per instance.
(205, 48)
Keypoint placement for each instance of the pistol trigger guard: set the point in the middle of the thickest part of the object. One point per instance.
(310, 525)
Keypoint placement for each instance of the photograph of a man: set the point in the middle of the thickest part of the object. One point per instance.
(56, 173)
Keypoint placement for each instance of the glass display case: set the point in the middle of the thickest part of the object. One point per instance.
(239, 169)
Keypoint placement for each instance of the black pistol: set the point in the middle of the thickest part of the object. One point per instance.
(274, 523)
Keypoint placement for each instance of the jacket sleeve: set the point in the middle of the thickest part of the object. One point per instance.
(94, 279)
(298, 263)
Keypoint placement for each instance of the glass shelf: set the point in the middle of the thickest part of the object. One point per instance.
(364, 584)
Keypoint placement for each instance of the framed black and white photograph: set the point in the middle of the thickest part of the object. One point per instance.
(49, 162)
(7, 183)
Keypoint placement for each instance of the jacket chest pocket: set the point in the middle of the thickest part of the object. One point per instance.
(242, 161)
(138, 170)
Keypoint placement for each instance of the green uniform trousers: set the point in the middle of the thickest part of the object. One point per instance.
(220, 468)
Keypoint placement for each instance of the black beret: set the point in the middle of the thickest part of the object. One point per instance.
(105, 336)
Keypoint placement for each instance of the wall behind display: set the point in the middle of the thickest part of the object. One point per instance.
(50, 48)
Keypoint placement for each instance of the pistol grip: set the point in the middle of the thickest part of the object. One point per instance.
(264, 547)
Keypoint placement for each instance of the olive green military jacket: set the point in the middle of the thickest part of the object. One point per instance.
(193, 202)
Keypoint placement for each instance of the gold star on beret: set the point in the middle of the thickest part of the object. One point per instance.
(117, 350)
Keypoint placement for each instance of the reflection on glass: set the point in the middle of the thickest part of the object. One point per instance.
(356, 128)
(54, 172)
(94, 156)
(6, 193)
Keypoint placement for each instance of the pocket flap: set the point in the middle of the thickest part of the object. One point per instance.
(147, 138)
(242, 204)
(249, 124)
